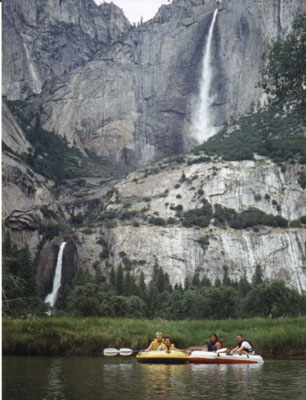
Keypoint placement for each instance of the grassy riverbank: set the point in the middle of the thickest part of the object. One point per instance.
(284, 337)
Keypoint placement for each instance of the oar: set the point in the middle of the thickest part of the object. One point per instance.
(110, 352)
(125, 352)
(223, 350)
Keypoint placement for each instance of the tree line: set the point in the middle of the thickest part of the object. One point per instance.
(121, 295)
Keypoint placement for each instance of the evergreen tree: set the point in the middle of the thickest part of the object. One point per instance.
(218, 283)
(257, 277)
(195, 282)
(119, 280)
(142, 287)
(226, 280)
(283, 76)
(243, 286)
(112, 277)
(127, 284)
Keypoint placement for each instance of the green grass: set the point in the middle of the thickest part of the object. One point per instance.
(284, 337)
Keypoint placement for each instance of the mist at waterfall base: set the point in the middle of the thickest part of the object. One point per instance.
(201, 127)
(52, 297)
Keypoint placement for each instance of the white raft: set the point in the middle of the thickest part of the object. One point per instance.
(210, 357)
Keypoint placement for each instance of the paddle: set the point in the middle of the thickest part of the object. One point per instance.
(125, 352)
(110, 352)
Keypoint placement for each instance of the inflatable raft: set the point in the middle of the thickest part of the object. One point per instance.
(162, 357)
(208, 357)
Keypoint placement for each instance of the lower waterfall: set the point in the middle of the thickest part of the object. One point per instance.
(52, 297)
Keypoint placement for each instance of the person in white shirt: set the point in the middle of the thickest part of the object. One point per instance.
(244, 347)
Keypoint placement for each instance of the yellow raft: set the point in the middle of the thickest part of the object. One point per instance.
(162, 357)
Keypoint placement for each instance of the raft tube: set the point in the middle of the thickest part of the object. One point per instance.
(210, 357)
(162, 357)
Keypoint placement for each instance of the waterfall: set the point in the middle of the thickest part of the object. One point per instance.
(52, 297)
(202, 128)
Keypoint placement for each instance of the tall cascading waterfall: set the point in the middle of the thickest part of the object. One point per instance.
(202, 129)
(52, 297)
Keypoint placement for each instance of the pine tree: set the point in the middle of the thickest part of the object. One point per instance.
(112, 277)
(119, 280)
(195, 280)
(127, 284)
(226, 280)
(142, 287)
(257, 277)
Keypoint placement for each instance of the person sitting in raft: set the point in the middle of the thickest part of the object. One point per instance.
(154, 345)
(214, 343)
(244, 347)
(167, 345)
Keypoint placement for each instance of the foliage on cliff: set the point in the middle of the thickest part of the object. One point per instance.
(52, 157)
(270, 133)
(284, 73)
(19, 289)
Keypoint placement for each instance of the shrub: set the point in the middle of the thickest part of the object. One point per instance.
(257, 197)
(104, 254)
(171, 221)
(223, 215)
(295, 224)
(199, 216)
(87, 231)
(203, 242)
(302, 180)
(127, 215)
(303, 219)
(253, 216)
(111, 214)
(52, 230)
(157, 221)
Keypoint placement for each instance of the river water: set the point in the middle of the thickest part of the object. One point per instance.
(87, 378)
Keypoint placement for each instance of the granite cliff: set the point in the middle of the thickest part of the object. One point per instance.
(45, 39)
(137, 96)
(128, 93)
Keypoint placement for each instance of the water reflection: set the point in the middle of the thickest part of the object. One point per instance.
(55, 386)
(225, 381)
(160, 379)
(82, 378)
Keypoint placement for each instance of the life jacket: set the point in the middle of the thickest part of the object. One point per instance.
(247, 350)
(212, 346)
(156, 344)
(164, 347)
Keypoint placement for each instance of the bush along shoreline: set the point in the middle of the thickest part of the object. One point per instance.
(69, 336)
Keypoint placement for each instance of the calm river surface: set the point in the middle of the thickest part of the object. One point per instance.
(82, 378)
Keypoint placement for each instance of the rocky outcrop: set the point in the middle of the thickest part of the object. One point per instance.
(138, 96)
(42, 40)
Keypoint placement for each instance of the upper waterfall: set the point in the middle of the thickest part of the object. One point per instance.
(202, 128)
(52, 297)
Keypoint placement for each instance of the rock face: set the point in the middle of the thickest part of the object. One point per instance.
(133, 100)
(44, 39)
(138, 96)
(157, 193)
(115, 222)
